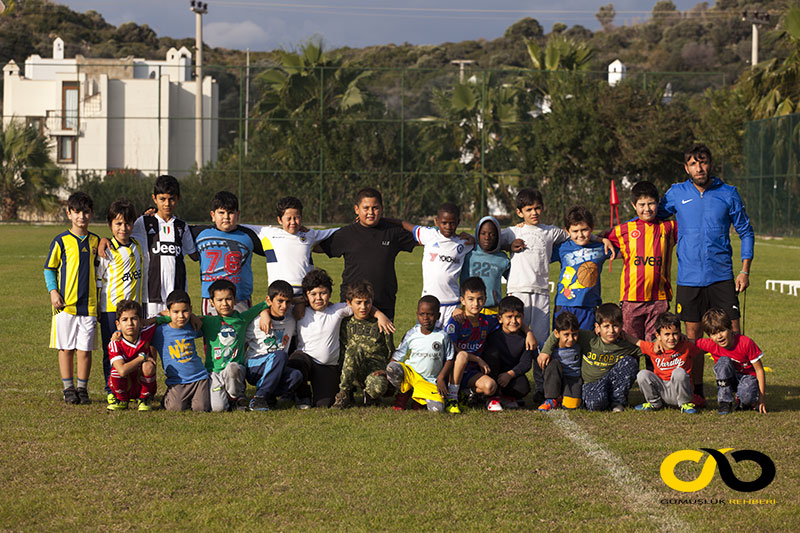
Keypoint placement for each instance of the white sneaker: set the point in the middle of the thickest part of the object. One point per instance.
(494, 404)
(303, 403)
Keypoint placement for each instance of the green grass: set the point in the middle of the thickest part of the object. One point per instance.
(69, 467)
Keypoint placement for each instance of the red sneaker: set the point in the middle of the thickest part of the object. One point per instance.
(401, 400)
(698, 401)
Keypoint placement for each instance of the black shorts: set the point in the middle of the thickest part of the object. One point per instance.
(693, 302)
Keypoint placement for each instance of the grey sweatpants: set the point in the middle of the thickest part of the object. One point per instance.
(677, 391)
(229, 382)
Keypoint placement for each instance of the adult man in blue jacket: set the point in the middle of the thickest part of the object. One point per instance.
(705, 208)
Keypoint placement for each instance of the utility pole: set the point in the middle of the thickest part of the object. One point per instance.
(199, 9)
(756, 19)
(461, 63)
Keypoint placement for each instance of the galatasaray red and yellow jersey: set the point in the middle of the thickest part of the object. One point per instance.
(646, 252)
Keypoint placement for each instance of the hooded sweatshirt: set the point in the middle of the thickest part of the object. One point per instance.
(489, 265)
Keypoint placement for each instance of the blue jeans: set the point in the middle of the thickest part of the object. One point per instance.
(270, 375)
(727, 378)
(612, 389)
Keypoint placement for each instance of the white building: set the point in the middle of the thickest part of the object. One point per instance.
(617, 71)
(111, 114)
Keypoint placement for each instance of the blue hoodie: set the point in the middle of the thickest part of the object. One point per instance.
(489, 265)
(704, 221)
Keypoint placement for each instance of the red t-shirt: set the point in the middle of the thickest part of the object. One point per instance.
(664, 363)
(126, 351)
(744, 353)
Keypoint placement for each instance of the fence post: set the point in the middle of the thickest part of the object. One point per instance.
(321, 133)
(402, 140)
(158, 164)
(484, 120)
(241, 141)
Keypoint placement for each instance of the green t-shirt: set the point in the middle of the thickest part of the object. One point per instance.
(225, 337)
(597, 357)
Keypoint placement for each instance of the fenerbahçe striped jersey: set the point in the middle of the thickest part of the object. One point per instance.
(74, 260)
(119, 274)
(164, 245)
(647, 252)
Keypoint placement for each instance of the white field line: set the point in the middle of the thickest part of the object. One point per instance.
(774, 245)
(633, 489)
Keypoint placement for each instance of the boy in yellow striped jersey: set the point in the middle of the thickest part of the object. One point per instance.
(69, 273)
(119, 275)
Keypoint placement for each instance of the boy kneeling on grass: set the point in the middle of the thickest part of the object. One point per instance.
(737, 364)
(430, 352)
(560, 361)
(366, 349)
(670, 381)
(188, 383)
(318, 342)
(133, 367)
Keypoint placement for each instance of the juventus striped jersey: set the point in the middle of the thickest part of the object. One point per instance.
(74, 261)
(119, 274)
(646, 252)
(165, 243)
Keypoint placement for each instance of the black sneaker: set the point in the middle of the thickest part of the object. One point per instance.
(241, 404)
(83, 396)
(725, 408)
(71, 396)
(259, 403)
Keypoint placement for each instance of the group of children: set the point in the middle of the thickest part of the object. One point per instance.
(470, 345)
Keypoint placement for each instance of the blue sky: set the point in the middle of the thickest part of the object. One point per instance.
(270, 24)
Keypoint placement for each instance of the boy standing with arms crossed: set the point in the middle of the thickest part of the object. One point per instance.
(69, 273)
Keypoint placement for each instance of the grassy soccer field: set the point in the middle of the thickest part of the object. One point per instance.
(71, 467)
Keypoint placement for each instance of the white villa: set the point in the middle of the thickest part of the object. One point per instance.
(111, 114)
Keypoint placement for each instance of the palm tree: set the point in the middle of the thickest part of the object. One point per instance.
(28, 177)
(772, 89)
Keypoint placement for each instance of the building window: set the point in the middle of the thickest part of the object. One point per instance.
(36, 123)
(69, 105)
(66, 149)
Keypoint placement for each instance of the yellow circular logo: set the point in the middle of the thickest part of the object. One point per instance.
(706, 474)
(678, 308)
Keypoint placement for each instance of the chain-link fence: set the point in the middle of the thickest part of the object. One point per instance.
(321, 132)
(769, 183)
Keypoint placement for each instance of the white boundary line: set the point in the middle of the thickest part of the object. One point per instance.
(643, 499)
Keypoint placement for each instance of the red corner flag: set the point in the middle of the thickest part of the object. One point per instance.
(613, 201)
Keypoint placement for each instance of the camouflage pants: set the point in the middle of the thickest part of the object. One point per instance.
(358, 370)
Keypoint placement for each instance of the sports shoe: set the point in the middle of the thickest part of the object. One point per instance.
(494, 404)
(342, 400)
(117, 405)
(83, 396)
(509, 402)
(369, 401)
(451, 406)
(688, 408)
(698, 401)
(71, 396)
(549, 405)
(241, 403)
(618, 408)
(647, 406)
(110, 398)
(258, 403)
(303, 403)
(725, 408)
(401, 400)
(144, 404)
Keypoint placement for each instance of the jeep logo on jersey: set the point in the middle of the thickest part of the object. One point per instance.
(163, 248)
